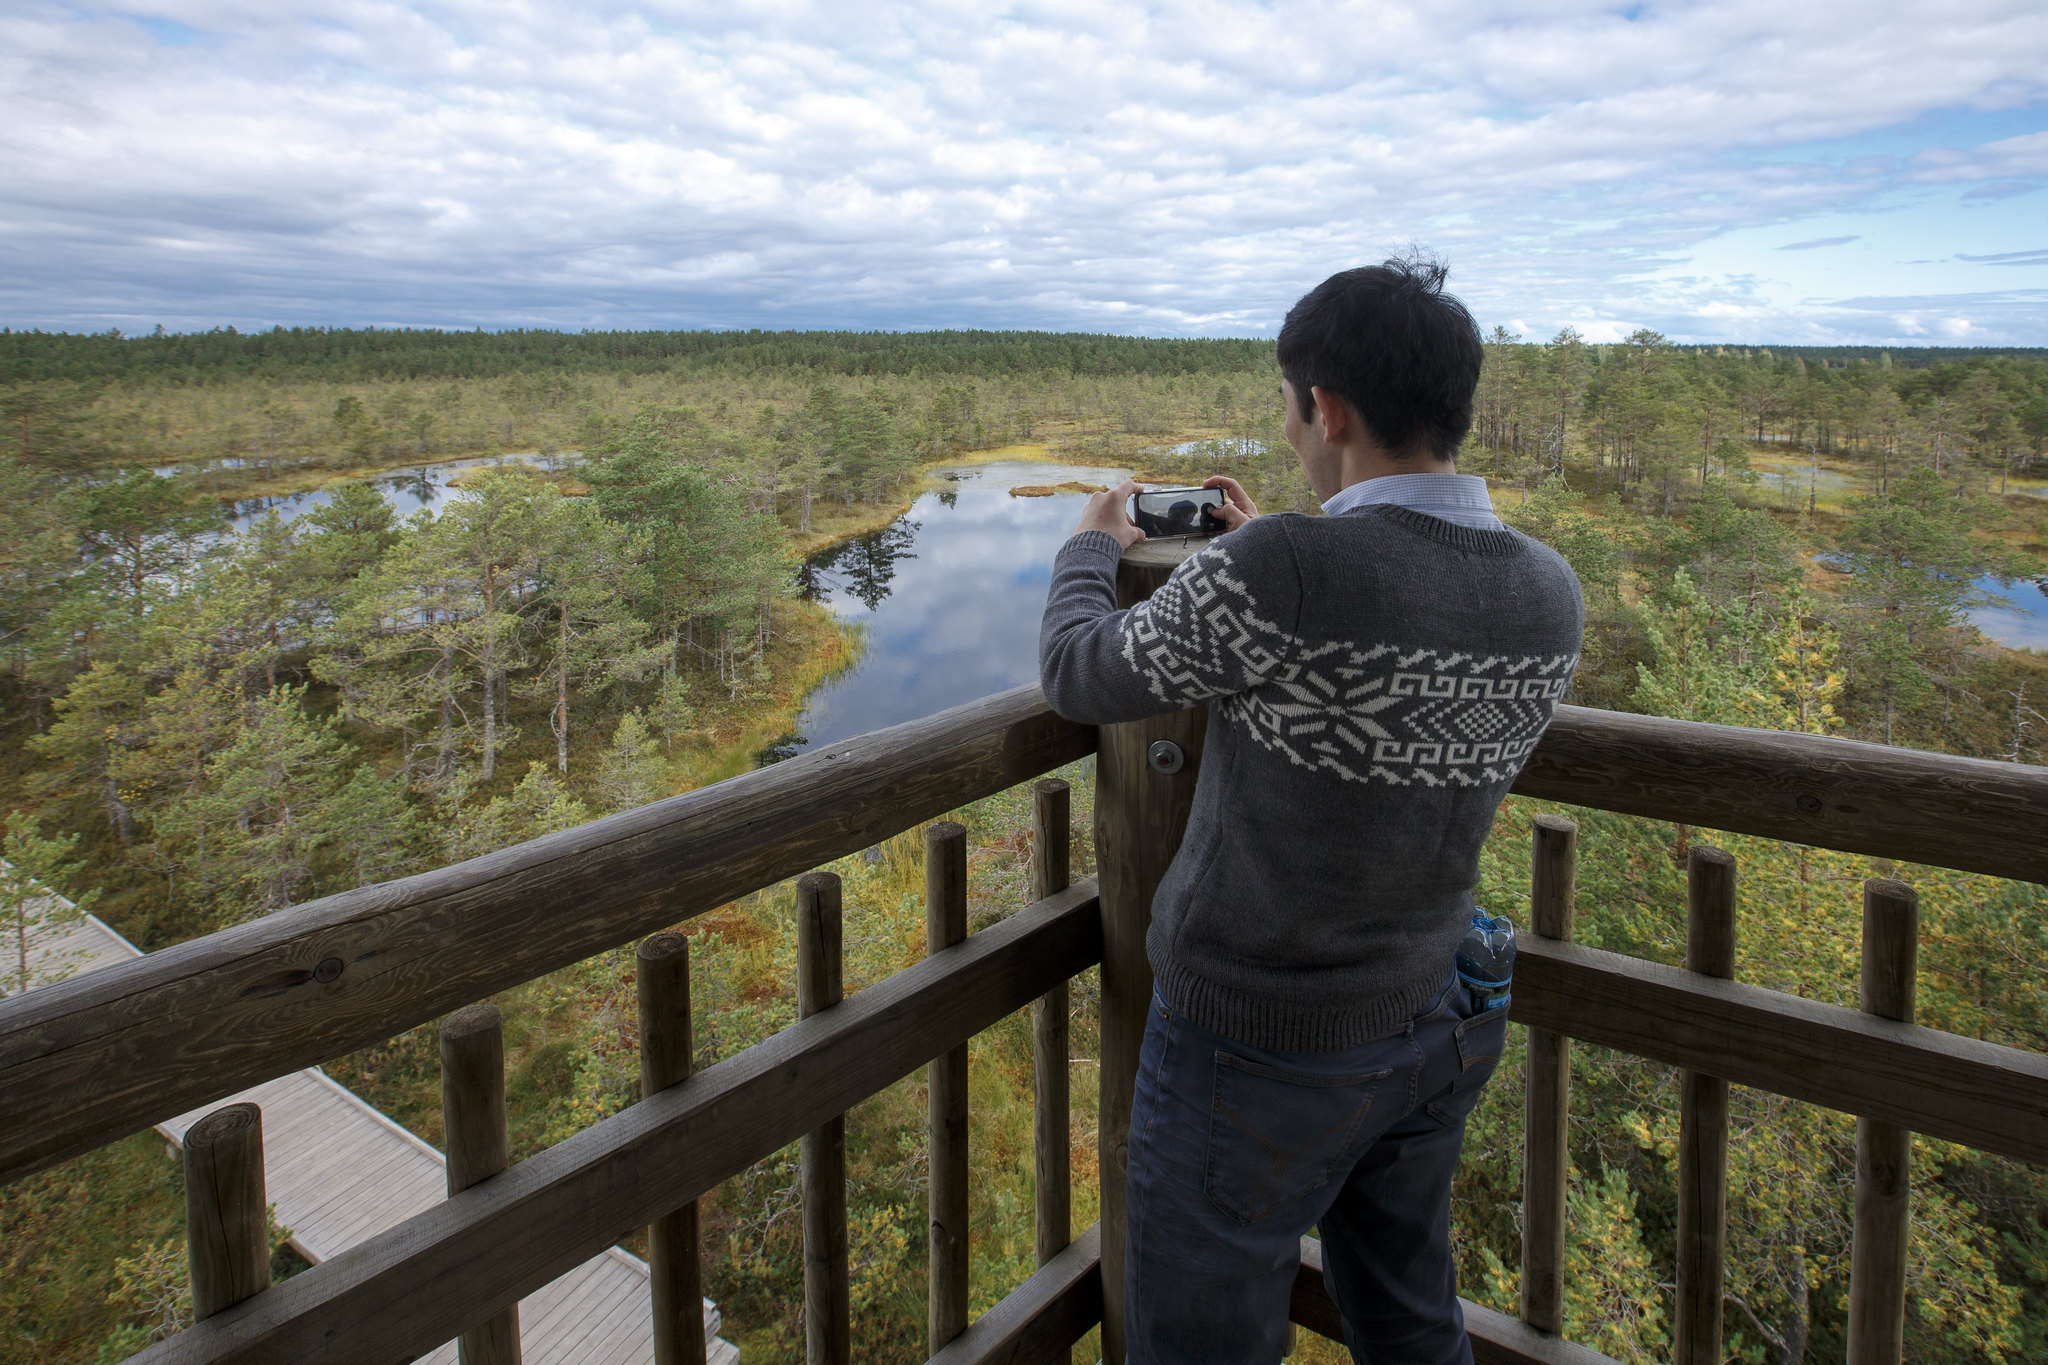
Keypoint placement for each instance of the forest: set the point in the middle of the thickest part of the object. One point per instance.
(213, 714)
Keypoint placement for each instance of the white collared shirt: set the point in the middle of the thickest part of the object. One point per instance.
(1458, 498)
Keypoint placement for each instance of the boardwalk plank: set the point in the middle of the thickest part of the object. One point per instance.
(606, 1334)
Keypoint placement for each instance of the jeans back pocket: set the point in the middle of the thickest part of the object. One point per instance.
(1276, 1135)
(1479, 1040)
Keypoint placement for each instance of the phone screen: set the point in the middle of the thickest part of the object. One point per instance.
(1177, 511)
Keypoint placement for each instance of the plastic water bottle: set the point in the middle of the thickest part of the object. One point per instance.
(1486, 960)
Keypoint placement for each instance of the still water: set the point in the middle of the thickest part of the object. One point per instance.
(2022, 621)
(949, 596)
(407, 490)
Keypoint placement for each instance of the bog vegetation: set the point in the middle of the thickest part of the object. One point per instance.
(208, 721)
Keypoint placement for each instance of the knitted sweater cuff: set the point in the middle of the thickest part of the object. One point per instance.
(1094, 544)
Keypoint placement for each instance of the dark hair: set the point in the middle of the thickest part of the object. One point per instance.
(1388, 339)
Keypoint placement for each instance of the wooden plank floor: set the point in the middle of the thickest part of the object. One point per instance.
(340, 1172)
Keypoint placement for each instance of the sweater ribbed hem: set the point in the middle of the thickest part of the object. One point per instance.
(1288, 1026)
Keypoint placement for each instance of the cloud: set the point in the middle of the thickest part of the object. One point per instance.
(1185, 166)
(2036, 257)
(1819, 242)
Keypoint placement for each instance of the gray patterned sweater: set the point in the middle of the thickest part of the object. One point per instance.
(1375, 682)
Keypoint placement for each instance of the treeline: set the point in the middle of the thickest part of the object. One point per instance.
(349, 355)
(246, 437)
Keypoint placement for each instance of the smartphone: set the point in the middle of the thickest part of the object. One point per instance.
(1178, 511)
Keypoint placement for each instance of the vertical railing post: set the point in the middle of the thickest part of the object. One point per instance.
(1141, 812)
(661, 968)
(1546, 1150)
(1051, 1110)
(1884, 1151)
(945, 890)
(820, 984)
(1703, 1125)
(473, 1118)
(227, 1224)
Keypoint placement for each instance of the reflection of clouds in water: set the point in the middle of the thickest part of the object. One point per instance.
(407, 490)
(2022, 625)
(961, 617)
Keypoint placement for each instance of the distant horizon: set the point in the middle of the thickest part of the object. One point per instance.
(230, 329)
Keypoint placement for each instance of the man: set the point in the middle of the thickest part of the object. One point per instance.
(1376, 677)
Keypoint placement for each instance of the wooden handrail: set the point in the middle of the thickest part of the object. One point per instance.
(405, 1291)
(1966, 813)
(88, 1061)
(1980, 1094)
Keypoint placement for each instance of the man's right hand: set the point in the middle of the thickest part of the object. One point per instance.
(1239, 509)
(1105, 512)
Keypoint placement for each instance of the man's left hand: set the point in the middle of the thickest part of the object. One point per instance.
(1107, 512)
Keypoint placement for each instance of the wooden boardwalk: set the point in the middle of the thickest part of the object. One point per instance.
(340, 1172)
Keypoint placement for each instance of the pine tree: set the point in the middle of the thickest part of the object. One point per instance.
(591, 575)
(372, 834)
(268, 805)
(632, 771)
(671, 713)
(97, 724)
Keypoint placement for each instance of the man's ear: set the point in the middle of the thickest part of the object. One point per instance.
(1337, 418)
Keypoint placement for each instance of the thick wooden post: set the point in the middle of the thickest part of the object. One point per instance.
(1140, 815)
(1051, 1108)
(473, 1118)
(820, 984)
(227, 1228)
(945, 891)
(1884, 1151)
(667, 1055)
(1703, 1125)
(1546, 1151)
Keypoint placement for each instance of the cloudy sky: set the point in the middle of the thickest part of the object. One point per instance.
(1741, 170)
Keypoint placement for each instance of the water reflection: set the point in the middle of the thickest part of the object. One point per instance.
(863, 568)
(424, 486)
(2020, 619)
(949, 596)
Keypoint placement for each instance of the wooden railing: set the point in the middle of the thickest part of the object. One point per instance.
(89, 1061)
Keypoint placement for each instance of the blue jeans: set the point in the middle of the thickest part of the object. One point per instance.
(1236, 1152)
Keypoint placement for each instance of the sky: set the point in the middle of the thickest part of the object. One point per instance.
(1728, 171)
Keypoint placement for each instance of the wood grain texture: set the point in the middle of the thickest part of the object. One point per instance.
(414, 1286)
(1497, 1339)
(675, 1269)
(1051, 1096)
(1038, 1322)
(1968, 813)
(945, 904)
(1546, 1114)
(1884, 1151)
(821, 984)
(473, 1095)
(90, 1060)
(227, 1237)
(1140, 816)
(1703, 1125)
(479, 1147)
(1959, 1089)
